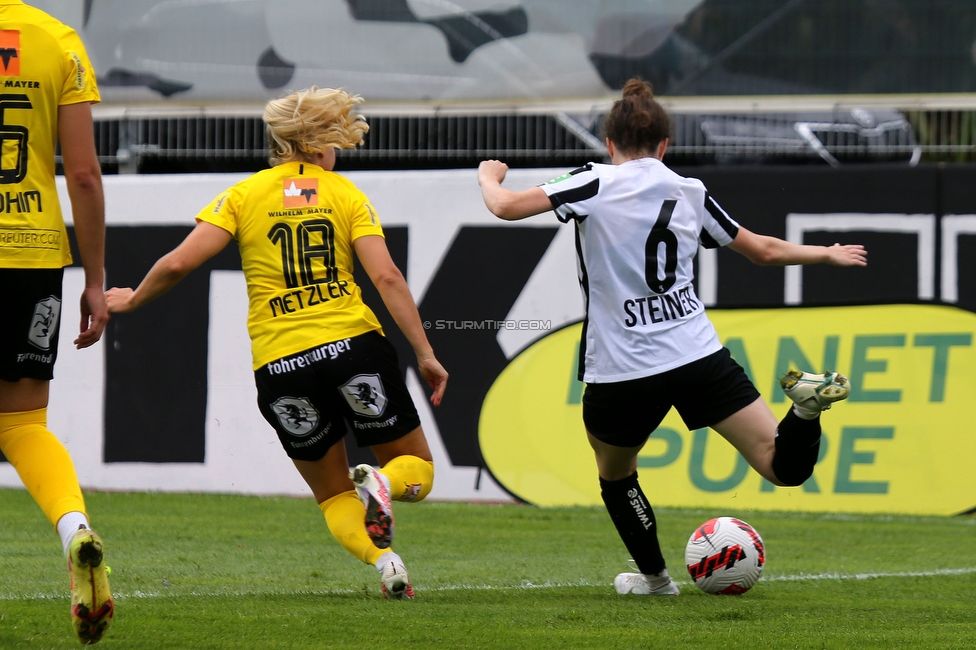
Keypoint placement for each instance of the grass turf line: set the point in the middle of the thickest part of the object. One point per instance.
(210, 571)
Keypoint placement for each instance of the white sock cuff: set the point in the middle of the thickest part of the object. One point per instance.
(68, 525)
(658, 580)
(806, 414)
(385, 559)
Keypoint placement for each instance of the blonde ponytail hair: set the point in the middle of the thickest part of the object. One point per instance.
(311, 121)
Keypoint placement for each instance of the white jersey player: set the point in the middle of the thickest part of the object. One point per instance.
(642, 312)
(646, 338)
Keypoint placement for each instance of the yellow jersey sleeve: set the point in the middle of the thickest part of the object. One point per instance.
(363, 218)
(223, 210)
(79, 81)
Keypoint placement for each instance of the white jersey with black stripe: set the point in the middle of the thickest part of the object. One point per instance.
(638, 227)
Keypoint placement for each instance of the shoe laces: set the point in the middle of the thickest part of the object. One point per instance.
(393, 569)
(638, 576)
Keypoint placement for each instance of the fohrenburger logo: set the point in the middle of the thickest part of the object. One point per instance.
(300, 192)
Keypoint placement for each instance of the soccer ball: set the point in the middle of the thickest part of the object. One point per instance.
(725, 555)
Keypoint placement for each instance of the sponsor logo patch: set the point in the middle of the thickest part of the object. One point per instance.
(10, 52)
(219, 204)
(300, 192)
(44, 323)
(79, 72)
(296, 415)
(365, 395)
(558, 179)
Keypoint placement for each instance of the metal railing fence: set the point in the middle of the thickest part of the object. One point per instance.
(209, 139)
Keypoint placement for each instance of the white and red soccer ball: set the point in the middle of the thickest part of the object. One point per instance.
(725, 555)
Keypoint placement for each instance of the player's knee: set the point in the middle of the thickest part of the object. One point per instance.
(411, 478)
(421, 482)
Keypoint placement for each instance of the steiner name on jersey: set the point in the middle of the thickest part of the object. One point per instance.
(658, 308)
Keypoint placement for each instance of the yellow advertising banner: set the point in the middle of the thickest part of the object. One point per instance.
(904, 442)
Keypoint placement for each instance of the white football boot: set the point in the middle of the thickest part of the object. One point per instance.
(374, 492)
(641, 585)
(395, 583)
(812, 393)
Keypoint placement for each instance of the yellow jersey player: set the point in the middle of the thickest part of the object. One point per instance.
(47, 87)
(319, 356)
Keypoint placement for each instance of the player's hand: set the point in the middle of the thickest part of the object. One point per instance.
(847, 255)
(494, 170)
(119, 301)
(436, 377)
(94, 317)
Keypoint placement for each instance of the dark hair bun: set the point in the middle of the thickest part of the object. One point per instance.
(637, 124)
(638, 87)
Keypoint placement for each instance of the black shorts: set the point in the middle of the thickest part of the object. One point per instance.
(704, 392)
(313, 397)
(30, 323)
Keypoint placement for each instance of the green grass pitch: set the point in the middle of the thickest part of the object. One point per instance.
(207, 571)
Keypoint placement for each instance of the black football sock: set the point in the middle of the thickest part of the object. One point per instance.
(797, 449)
(634, 519)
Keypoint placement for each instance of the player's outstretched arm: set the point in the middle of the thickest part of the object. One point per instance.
(83, 176)
(772, 251)
(375, 258)
(506, 204)
(203, 242)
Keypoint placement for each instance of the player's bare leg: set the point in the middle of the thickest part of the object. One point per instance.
(752, 431)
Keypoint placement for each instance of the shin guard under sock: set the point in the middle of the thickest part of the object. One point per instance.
(634, 519)
(797, 449)
(42, 463)
(344, 516)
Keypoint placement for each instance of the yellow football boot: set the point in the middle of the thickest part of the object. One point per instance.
(92, 606)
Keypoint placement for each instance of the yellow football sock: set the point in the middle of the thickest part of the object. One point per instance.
(42, 463)
(344, 515)
(411, 478)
